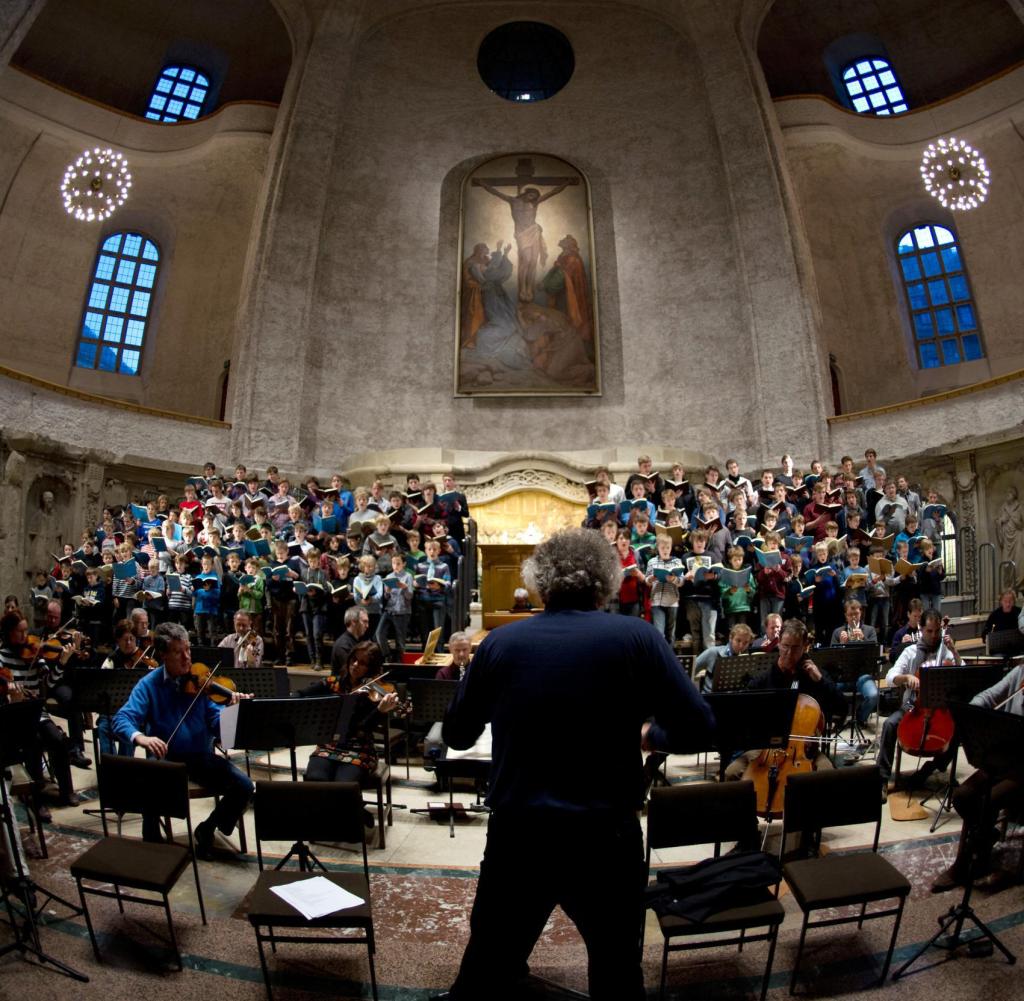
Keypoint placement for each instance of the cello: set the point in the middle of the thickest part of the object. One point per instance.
(771, 769)
(925, 732)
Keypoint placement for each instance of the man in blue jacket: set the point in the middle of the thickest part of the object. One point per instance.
(159, 708)
(564, 828)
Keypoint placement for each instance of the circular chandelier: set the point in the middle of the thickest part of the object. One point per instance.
(95, 185)
(955, 173)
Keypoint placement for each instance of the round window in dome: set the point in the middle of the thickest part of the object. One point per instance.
(525, 61)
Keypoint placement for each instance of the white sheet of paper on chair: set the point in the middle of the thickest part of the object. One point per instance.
(316, 897)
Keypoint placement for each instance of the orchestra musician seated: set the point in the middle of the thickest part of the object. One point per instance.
(856, 630)
(934, 648)
(461, 650)
(981, 796)
(794, 668)
(246, 643)
(353, 757)
(740, 638)
(772, 631)
(167, 720)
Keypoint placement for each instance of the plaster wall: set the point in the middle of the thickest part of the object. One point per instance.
(937, 49)
(196, 203)
(855, 198)
(688, 309)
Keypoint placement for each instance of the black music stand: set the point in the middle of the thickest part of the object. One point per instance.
(733, 674)
(845, 665)
(261, 682)
(941, 686)
(760, 718)
(19, 723)
(266, 724)
(1005, 643)
(448, 769)
(430, 700)
(991, 742)
(103, 692)
(213, 656)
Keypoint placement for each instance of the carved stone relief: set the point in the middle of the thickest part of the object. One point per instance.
(526, 479)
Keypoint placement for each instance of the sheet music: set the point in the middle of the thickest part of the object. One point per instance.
(316, 897)
(229, 725)
(480, 751)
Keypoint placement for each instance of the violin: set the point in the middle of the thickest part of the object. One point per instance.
(770, 770)
(377, 690)
(200, 682)
(141, 658)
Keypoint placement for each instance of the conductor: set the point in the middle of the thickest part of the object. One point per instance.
(564, 828)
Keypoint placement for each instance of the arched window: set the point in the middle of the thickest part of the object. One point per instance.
(942, 312)
(179, 95)
(117, 310)
(872, 87)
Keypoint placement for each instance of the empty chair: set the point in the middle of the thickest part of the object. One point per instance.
(138, 785)
(299, 812)
(836, 798)
(712, 813)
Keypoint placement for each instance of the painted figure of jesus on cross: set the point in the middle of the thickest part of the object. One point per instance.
(530, 248)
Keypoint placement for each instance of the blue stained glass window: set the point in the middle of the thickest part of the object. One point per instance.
(128, 282)
(951, 258)
(943, 316)
(965, 317)
(958, 288)
(911, 268)
(937, 293)
(972, 347)
(86, 355)
(950, 352)
(918, 298)
(188, 86)
(108, 359)
(924, 325)
(872, 87)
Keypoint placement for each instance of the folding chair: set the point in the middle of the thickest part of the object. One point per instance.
(705, 813)
(301, 812)
(138, 785)
(836, 798)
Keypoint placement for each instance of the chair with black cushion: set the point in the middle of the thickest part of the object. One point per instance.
(299, 812)
(711, 813)
(138, 785)
(837, 798)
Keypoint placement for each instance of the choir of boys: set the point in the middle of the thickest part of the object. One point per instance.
(698, 559)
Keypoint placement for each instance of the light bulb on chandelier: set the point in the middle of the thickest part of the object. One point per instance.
(96, 185)
(955, 174)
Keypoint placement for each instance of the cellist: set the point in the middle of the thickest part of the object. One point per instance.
(933, 649)
(794, 669)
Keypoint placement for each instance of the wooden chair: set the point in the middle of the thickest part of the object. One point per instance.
(834, 798)
(138, 785)
(706, 813)
(301, 812)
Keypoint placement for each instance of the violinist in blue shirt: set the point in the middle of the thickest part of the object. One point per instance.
(160, 717)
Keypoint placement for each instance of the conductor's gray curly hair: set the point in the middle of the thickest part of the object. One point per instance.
(575, 568)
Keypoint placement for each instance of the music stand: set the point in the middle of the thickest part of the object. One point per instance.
(19, 723)
(221, 657)
(846, 665)
(991, 741)
(1005, 643)
(267, 724)
(430, 700)
(941, 686)
(733, 674)
(751, 720)
(103, 692)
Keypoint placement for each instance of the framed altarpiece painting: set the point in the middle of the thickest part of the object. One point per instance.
(527, 320)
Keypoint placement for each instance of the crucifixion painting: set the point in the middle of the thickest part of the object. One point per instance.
(527, 325)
